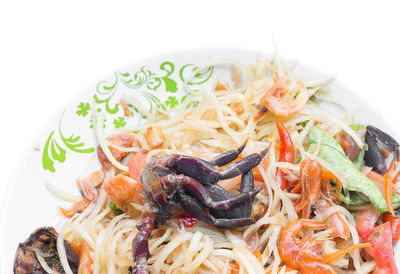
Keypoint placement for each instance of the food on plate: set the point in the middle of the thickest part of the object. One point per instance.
(40, 247)
(251, 175)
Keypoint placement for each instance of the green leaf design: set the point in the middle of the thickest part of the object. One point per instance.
(132, 107)
(120, 122)
(150, 79)
(47, 162)
(154, 83)
(55, 148)
(154, 102)
(104, 93)
(168, 67)
(170, 85)
(107, 101)
(172, 102)
(52, 152)
(83, 109)
(199, 78)
(92, 120)
(73, 142)
(59, 154)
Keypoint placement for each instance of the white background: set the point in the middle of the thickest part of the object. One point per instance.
(51, 50)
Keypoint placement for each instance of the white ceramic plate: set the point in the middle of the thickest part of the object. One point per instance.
(65, 150)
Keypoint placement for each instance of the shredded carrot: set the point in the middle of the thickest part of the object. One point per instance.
(376, 176)
(127, 111)
(388, 193)
(296, 189)
(379, 178)
(341, 252)
(77, 207)
(234, 268)
(258, 255)
(395, 181)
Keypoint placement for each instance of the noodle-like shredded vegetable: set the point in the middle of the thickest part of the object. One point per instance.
(222, 120)
(43, 263)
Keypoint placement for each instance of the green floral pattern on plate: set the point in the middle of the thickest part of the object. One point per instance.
(148, 84)
(83, 109)
(54, 152)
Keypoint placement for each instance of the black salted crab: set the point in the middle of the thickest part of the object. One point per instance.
(43, 241)
(191, 182)
(375, 140)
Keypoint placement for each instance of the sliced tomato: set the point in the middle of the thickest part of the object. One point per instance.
(365, 222)
(382, 249)
(380, 238)
(136, 164)
(395, 225)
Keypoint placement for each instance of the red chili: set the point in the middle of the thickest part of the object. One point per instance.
(187, 220)
(394, 224)
(286, 151)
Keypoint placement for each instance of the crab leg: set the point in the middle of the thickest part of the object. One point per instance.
(203, 195)
(193, 207)
(242, 166)
(218, 194)
(140, 244)
(207, 174)
(247, 185)
(227, 156)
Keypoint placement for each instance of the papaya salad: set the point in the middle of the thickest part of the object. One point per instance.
(252, 175)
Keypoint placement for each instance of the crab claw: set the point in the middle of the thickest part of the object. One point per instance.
(243, 166)
(375, 138)
(227, 156)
